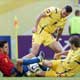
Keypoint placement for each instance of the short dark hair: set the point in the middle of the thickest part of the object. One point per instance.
(75, 40)
(77, 12)
(2, 43)
(68, 8)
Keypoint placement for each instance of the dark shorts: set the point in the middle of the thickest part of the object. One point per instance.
(19, 74)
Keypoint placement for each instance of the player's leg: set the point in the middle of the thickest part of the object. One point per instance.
(44, 68)
(19, 67)
(50, 73)
(34, 52)
(13, 72)
(17, 71)
(27, 61)
(55, 46)
(51, 42)
(47, 63)
(37, 40)
(53, 64)
(40, 74)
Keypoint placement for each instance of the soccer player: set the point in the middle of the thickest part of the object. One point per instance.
(50, 20)
(72, 29)
(68, 66)
(8, 68)
(6, 65)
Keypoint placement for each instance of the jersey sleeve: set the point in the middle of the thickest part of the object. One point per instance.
(48, 11)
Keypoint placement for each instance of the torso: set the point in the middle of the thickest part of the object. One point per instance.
(5, 64)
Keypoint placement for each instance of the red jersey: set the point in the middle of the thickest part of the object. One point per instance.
(5, 64)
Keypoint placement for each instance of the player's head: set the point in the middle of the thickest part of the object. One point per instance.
(77, 13)
(66, 11)
(74, 41)
(4, 46)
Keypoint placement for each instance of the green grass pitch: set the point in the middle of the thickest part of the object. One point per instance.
(77, 77)
(39, 78)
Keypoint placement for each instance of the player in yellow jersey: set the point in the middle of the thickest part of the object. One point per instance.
(65, 67)
(50, 20)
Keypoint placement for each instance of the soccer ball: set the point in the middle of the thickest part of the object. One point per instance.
(34, 67)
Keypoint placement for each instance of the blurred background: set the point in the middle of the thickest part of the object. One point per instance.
(24, 13)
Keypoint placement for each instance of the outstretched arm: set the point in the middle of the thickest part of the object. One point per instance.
(59, 33)
(57, 56)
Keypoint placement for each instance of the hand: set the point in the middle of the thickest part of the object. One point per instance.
(61, 75)
(34, 30)
(57, 56)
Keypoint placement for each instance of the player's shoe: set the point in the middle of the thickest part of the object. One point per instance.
(41, 55)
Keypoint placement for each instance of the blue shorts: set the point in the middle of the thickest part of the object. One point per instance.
(25, 69)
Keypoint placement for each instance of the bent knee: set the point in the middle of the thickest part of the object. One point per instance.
(19, 61)
(59, 50)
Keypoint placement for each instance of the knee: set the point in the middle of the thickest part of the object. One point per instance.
(48, 63)
(19, 61)
(59, 50)
(36, 47)
(35, 50)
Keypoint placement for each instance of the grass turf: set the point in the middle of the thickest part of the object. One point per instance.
(77, 77)
(38, 78)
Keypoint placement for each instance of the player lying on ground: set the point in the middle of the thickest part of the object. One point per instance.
(65, 67)
(8, 68)
(50, 20)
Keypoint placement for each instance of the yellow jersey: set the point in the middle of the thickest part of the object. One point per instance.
(52, 21)
(73, 59)
(69, 66)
